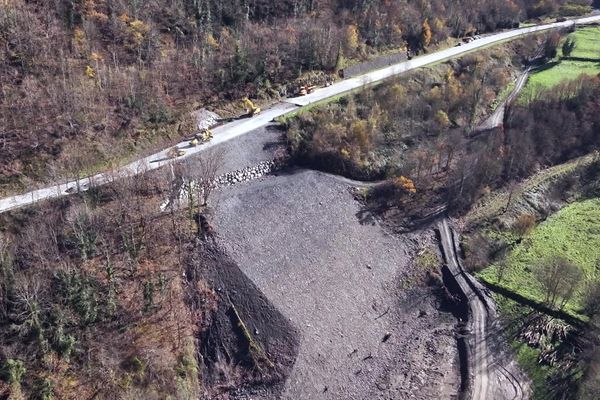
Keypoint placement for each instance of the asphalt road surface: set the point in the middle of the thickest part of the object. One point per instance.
(240, 127)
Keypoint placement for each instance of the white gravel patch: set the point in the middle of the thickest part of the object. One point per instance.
(205, 119)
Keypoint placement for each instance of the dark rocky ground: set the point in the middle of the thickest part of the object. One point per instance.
(247, 344)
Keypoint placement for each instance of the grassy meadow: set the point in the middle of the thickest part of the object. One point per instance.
(565, 69)
(573, 232)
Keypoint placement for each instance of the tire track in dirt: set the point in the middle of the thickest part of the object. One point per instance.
(484, 366)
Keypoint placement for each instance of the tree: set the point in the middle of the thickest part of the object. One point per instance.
(84, 232)
(590, 382)
(568, 47)
(592, 299)
(425, 33)
(550, 45)
(351, 40)
(524, 224)
(559, 279)
(405, 184)
(362, 134)
(501, 268)
(204, 173)
(6, 274)
(12, 372)
(132, 215)
(239, 66)
(148, 295)
(339, 60)
(28, 308)
(442, 120)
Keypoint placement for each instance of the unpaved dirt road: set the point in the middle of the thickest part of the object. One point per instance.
(237, 128)
(492, 376)
(497, 117)
(368, 330)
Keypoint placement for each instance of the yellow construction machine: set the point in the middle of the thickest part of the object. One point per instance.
(175, 152)
(203, 137)
(251, 109)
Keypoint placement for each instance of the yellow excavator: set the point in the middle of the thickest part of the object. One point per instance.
(175, 152)
(203, 137)
(251, 109)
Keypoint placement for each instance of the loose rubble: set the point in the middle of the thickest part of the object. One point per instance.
(205, 119)
(230, 178)
(246, 174)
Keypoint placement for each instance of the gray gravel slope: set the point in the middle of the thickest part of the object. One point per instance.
(247, 150)
(298, 238)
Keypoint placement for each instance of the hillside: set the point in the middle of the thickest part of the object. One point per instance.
(95, 82)
(297, 258)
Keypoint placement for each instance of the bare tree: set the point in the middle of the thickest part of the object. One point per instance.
(559, 279)
(84, 229)
(501, 269)
(513, 186)
(590, 382)
(38, 244)
(208, 168)
(201, 175)
(524, 224)
(6, 274)
(132, 216)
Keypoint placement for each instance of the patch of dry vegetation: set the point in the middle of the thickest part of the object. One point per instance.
(92, 298)
(104, 295)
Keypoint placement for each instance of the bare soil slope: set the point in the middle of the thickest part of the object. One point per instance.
(365, 333)
(248, 345)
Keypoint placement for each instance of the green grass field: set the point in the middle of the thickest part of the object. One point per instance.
(588, 43)
(573, 232)
(588, 46)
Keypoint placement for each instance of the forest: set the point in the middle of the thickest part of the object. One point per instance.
(96, 82)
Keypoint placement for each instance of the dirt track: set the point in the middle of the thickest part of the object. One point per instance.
(344, 286)
(493, 376)
(497, 117)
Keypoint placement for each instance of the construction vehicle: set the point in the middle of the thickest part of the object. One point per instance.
(175, 152)
(251, 109)
(203, 137)
(306, 89)
(206, 135)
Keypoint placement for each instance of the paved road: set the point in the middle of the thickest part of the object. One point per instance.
(397, 69)
(492, 375)
(234, 129)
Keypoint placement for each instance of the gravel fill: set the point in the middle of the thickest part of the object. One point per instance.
(366, 332)
(246, 150)
(205, 119)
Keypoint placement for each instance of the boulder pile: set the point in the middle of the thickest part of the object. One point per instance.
(246, 174)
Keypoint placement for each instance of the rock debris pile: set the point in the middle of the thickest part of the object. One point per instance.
(246, 174)
(205, 119)
(230, 178)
